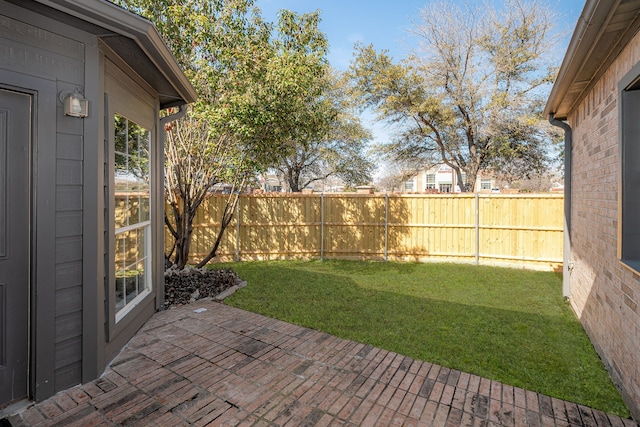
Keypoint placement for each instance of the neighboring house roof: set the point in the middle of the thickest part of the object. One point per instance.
(132, 37)
(602, 31)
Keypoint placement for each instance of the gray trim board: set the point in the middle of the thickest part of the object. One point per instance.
(157, 219)
(93, 218)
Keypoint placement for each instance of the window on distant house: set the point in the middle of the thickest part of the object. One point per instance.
(485, 184)
(408, 185)
(629, 219)
(445, 188)
(430, 181)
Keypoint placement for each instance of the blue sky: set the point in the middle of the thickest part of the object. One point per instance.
(385, 23)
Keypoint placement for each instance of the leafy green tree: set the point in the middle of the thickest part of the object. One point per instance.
(252, 79)
(472, 96)
(334, 143)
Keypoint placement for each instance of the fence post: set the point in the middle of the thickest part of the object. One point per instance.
(238, 228)
(477, 228)
(322, 227)
(386, 226)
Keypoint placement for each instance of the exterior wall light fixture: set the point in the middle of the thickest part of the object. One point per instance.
(74, 104)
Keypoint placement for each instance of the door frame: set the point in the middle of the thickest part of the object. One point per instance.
(29, 176)
(30, 244)
(42, 212)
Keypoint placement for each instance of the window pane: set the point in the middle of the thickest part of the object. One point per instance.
(143, 207)
(131, 214)
(131, 264)
(630, 185)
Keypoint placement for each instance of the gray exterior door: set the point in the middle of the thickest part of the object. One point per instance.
(15, 134)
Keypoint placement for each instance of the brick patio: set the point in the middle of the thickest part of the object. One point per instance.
(228, 367)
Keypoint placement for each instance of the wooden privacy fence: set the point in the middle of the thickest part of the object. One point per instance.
(496, 229)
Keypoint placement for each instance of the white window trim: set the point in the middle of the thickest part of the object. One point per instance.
(148, 287)
(145, 227)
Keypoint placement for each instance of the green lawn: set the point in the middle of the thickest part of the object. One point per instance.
(505, 324)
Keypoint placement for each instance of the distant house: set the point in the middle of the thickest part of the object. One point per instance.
(272, 183)
(82, 85)
(275, 182)
(596, 100)
(442, 179)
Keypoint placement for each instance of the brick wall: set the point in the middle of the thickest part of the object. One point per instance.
(604, 293)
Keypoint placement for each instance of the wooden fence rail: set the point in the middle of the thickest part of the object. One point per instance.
(520, 230)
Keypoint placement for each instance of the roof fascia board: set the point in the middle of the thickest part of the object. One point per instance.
(589, 29)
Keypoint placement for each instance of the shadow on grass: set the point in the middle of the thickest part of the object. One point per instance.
(547, 353)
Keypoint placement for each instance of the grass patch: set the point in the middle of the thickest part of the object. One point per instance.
(504, 324)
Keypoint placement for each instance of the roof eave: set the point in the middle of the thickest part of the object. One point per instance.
(583, 37)
(598, 39)
(140, 30)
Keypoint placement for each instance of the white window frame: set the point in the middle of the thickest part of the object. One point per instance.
(430, 181)
(145, 228)
(446, 188)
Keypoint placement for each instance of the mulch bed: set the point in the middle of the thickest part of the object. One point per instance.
(191, 284)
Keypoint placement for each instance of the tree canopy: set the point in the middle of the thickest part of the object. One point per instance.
(335, 142)
(254, 80)
(471, 96)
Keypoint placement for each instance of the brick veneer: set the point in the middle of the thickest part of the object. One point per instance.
(604, 293)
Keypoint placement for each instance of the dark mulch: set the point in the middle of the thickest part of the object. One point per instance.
(191, 284)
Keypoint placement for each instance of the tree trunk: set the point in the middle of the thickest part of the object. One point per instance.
(471, 181)
(227, 216)
(472, 169)
(183, 244)
(294, 181)
(183, 217)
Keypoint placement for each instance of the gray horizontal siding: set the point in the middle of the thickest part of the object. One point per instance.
(69, 291)
(36, 38)
(68, 327)
(68, 249)
(68, 275)
(67, 301)
(69, 147)
(39, 53)
(69, 243)
(67, 376)
(68, 198)
(68, 223)
(69, 172)
(67, 357)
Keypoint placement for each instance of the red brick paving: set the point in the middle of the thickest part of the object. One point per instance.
(228, 367)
